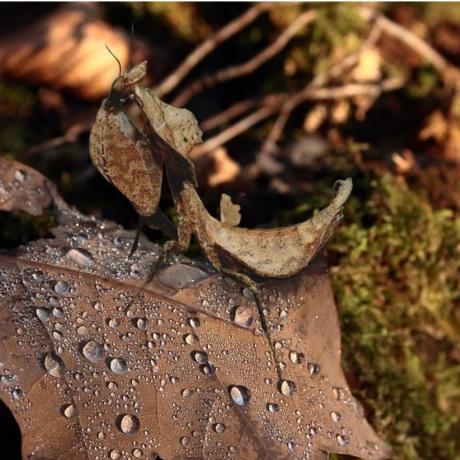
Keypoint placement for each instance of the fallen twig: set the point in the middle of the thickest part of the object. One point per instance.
(406, 36)
(236, 71)
(209, 45)
(313, 93)
(292, 103)
(239, 127)
(69, 137)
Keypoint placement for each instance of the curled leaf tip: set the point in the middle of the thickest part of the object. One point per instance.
(342, 190)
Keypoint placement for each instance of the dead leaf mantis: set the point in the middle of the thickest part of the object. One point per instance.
(132, 156)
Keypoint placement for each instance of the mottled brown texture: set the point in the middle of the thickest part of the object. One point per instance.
(22, 188)
(121, 156)
(271, 253)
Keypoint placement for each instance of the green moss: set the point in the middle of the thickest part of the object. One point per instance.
(424, 82)
(396, 276)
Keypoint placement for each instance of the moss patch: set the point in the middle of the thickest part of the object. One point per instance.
(396, 276)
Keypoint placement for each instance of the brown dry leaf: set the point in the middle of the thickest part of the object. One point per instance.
(340, 111)
(445, 132)
(24, 189)
(315, 118)
(94, 367)
(66, 50)
(435, 127)
(223, 169)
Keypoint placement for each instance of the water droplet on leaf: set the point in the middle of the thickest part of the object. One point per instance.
(93, 351)
(118, 365)
(286, 387)
(53, 364)
(128, 424)
(242, 315)
(68, 410)
(61, 287)
(81, 257)
(239, 394)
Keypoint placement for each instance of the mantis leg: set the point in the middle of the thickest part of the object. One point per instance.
(213, 257)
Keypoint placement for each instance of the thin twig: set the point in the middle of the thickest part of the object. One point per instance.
(409, 38)
(239, 70)
(355, 89)
(69, 137)
(349, 61)
(209, 45)
(241, 126)
(238, 108)
(229, 114)
(313, 93)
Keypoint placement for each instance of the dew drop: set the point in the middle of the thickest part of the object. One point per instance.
(53, 364)
(61, 287)
(286, 387)
(313, 368)
(82, 330)
(194, 322)
(191, 339)
(185, 393)
(342, 440)
(57, 335)
(180, 276)
(338, 393)
(114, 454)
(242, 315)
(7, 379)
(273, 407)
(118, 365)
(20, 175)
(141, 323)
(296, 357)
(81, 257)
(128, 424)
(239, 394)
(207, 369)
(184, 441)
(219, 428)
(93, 351)
(17, 393)
(113, 322)
(58, 312)
(137, 453)
(335, 416)
(199, 356)
(68, 410)
(43, 314)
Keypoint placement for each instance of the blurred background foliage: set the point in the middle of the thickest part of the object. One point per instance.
(395, 262)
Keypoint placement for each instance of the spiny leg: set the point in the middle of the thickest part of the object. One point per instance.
(182, 243)
(157, 221)
(254, 287)
(136, 239)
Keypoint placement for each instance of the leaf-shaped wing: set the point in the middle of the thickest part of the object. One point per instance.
(120, 154)
(178, 127)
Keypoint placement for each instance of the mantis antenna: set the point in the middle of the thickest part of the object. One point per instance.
(116, 59)
(131, 46)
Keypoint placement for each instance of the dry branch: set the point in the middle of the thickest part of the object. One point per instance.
(240, 127)
(69, 137)
(240, 70)
(320, 80)
(407, 37)
(209, 45)
(313, 93)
